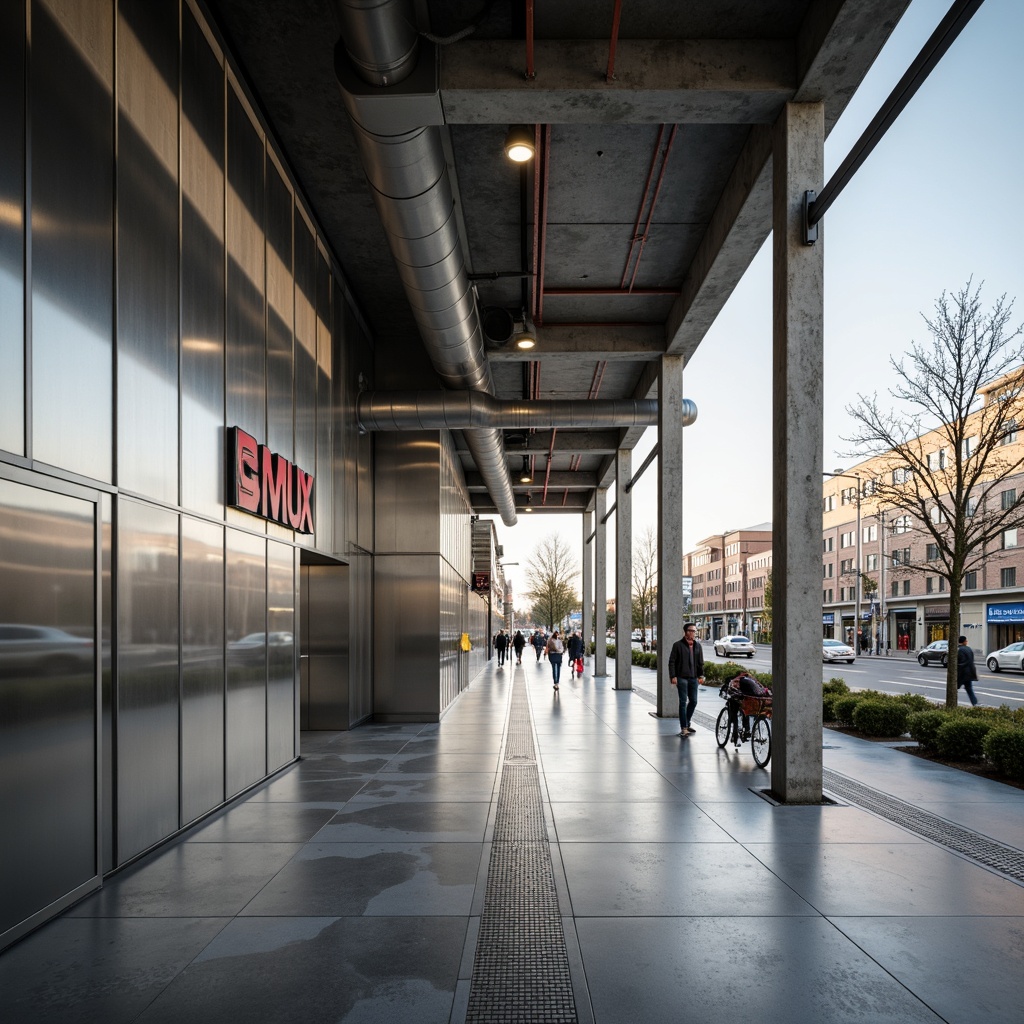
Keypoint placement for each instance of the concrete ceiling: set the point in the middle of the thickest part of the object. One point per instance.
(696, 90)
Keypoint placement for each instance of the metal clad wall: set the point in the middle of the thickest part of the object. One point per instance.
(48, 699)
(147, 248)
(280, 315)
(305, 349)
(360, 692)
(71, 91)
(330, 604)
(245, 346)
(202, 272)
(246, 727)
(202, 667)
(147, 689)
(281, 654)
(323, 493)
(12, 227)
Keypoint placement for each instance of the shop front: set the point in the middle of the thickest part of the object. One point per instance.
(936, 622)
(904, 628)
(828, 625)
(1005, 622)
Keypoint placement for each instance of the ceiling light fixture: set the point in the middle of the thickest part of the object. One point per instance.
(519, 143)
(528, 507)
(526, 477)
(526, 336)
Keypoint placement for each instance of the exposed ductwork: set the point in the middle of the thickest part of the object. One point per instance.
(406, 168)
(474, 410)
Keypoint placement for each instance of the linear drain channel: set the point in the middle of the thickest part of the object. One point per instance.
(521, 968)
(965, 841)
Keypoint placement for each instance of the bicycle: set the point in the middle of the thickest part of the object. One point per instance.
(759, 731)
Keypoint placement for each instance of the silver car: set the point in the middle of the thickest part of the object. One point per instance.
(836, 650)
(1009, 657)
(730, 645)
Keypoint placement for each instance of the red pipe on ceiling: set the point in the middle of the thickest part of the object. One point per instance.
(643, 202)
(613, 42)
(543, 224)
(530, 71)
(654, 200)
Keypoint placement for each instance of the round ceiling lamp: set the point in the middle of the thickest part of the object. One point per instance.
(519, 143)
(526, 477)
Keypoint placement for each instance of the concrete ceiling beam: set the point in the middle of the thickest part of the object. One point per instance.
(559, 480)
(657, 81)
(613, 344)
(567, 442)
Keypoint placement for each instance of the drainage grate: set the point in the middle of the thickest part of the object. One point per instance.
(1004, 859)
(521, 967)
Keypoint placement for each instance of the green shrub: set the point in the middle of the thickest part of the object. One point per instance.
(881, 718)
(961, 738)
(844, 706)
(915, 702)
(610, 648)
(924, 726)
(828, 706)
(1004, 747)
(835, 685)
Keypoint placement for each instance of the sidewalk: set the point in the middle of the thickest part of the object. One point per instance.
(353, 886)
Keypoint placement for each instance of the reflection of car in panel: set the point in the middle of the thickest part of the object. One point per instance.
(1007, 657)
(729, 645)
(933, 652)
(836, 650)
(253, 644)
(42, 650)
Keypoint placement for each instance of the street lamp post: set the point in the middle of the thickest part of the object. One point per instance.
(856, 620)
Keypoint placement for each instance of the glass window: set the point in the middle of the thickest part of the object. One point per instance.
(895, 589)
(1008, 497)
(971, 581)
(1008, 577)
(929, 584)
(932, 552)
(1009, 432)
(1009, 539)
(906, 587)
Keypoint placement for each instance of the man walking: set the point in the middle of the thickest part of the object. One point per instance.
(966, 672)
(686, 665)
(501, 646)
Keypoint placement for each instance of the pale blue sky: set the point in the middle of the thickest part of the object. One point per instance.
(936, 203)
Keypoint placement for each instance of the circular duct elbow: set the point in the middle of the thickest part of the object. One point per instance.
(689, 412)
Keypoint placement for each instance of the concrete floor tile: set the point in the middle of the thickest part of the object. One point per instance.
(673, 880)
(392, 822)
(593, 787)
(472, 787)
(372, 880)
(189, 880)
(792, 970)
(97, 971)
(679, 822)
(262, 821)
(306, 970)
(443, 763)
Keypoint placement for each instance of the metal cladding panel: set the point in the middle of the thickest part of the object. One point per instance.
(408, 491)
(329, 646)
(407, 629)
(362, 448)
(147, 677)
(202, 667)
(305, 345)
(106, 510)
(12, 228)
(280, 315)
(245, 626)
(147, 248)
(71, 117)
(47, 700)
(361, 667)
(245, 345)
(323, 467)
(282, 655)
(202, 272)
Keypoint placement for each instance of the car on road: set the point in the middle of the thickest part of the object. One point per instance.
(935, 651)
(1007, 657)
(836, 650)
(727, 646)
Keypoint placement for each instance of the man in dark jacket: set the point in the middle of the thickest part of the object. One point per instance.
(966, 672)
(686, 665)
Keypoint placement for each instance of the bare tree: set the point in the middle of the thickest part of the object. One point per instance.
(645, 576)
(945, 459)
(551, 581)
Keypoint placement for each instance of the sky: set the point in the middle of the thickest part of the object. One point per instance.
(936, 204)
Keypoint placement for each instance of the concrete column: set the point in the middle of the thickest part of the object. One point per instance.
(623, 571)
(588, 577)
(600, 582)
(670, 525)
(798, 162)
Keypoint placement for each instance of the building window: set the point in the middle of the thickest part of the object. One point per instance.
(1008, 577)
(937, 514)
(931, 552)
(845, 566)
(968, 446)
(1009, 432)
(929, 585)
(971, 581)
(901, 524)
(906, 587)
(937, 460)
(870, 533)
(826, 570)
(942, 584)
(1008, 497)
(900, 556)
(970, 507)
(1009, 539)
(902, 475)
(828, 544)
(895, 591)
(869, 488)
(829, 504)
(847, 540)
(848, 495)
(872, 563)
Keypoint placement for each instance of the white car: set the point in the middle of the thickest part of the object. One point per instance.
(1007, 657)
(729, 645)
(836, 650)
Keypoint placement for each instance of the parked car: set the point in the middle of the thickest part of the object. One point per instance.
(836, 650)
(935, 651)
(42, 650)
(1007, 657)
(730, 645)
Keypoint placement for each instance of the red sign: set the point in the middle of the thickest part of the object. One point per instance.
(268, 485)
(482, 581)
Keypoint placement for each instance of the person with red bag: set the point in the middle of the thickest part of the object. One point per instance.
(576, 649)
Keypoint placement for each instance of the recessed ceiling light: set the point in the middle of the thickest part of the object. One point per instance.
(519, 143)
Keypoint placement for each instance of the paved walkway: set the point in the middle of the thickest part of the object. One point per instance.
(353, 885)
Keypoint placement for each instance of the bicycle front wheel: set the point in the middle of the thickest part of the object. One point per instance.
(761, 741)
(722, 727)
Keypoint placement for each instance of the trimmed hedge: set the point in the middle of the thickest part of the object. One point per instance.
(1004, 747)
(835, 685)
(844, 706)
(881, 717)
(960, 738)
(924, 727)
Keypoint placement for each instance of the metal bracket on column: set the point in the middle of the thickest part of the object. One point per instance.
(810, 230)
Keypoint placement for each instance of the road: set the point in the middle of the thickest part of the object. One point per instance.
(902, 674)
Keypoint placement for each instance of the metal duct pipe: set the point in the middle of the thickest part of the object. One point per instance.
(411, 190)
(474, 410)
